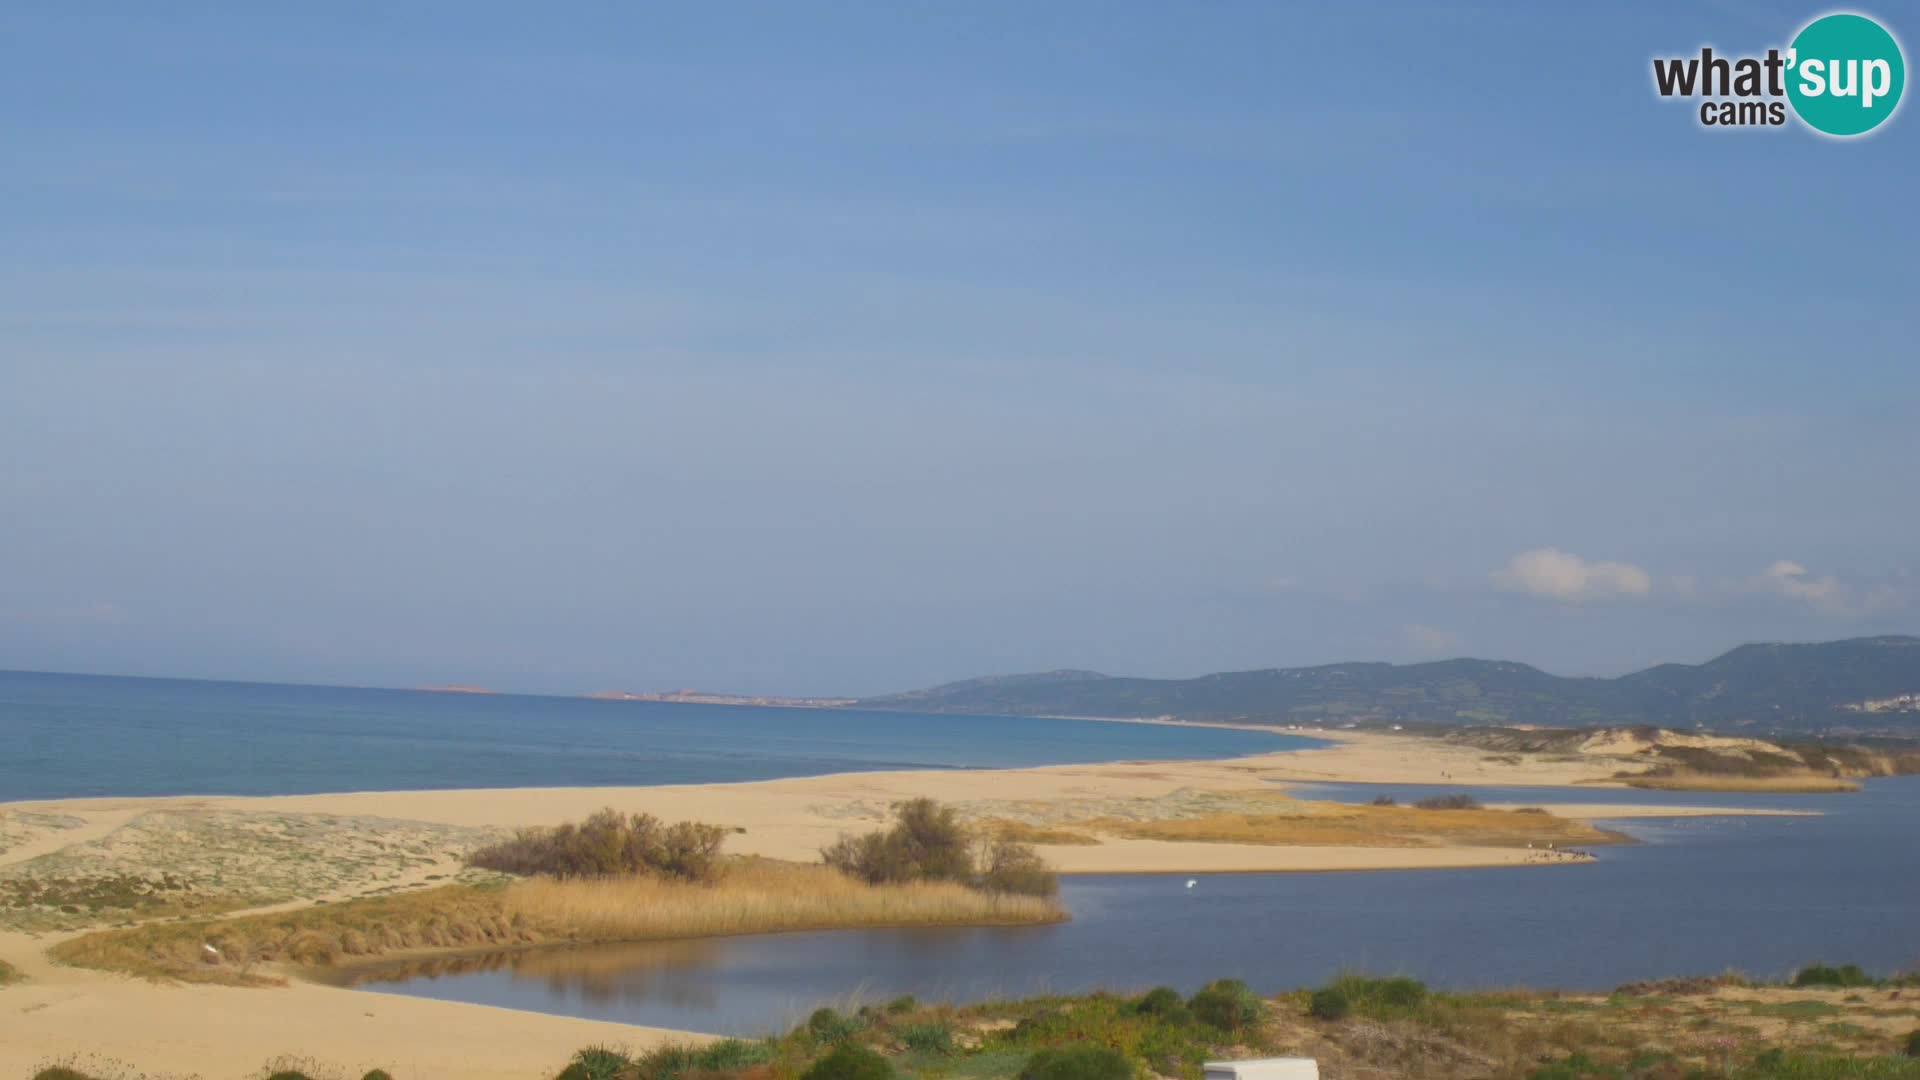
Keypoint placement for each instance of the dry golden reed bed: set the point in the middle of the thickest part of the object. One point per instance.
(1794, 783)
(755, 896)
(1341, 824)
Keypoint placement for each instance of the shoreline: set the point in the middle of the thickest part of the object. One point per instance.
(57, 1010)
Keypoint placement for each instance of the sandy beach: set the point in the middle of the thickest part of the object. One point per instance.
(378, 842)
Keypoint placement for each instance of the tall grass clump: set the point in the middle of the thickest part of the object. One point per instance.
(609, 844)
(930, 1037)
(831, 1026)
(928, 842)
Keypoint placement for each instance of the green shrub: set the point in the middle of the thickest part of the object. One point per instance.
(831, 1026)
(608, 844)
(60, 1072)
(1393, 996)
(732, 1055)
(1329, 1003)
(1913, 1044)
(850, 1061)
(288, 1074)
(596, 1063)
(1080, 1062)
(1822, 975)
(1226, 1004)
(663, 1063)
(928, 1038)
(377, 1074)
(902, 1004)
(1164, 1002)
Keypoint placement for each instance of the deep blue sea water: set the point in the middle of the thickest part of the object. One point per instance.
(79, 735)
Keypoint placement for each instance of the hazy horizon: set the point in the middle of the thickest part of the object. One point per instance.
(795, 352)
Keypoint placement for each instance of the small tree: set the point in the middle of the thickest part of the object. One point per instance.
(1008, 866)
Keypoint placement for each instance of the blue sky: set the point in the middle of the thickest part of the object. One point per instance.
(853, 347)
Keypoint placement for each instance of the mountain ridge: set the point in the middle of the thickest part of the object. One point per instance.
(1768, 686)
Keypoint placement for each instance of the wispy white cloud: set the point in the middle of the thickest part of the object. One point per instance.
(1828, 593)
(1561, 575)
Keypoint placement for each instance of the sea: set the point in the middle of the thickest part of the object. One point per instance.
(87, 735)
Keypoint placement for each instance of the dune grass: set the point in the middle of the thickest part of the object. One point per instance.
(1689, 780)
(1024, 833)
(754, 896)
(1340, 824)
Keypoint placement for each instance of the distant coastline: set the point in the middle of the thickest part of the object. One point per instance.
(707, 697)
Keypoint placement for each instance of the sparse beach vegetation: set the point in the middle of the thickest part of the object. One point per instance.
(750, 896)
(1718, 1028)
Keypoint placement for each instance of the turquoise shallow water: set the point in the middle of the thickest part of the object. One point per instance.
(78, 735)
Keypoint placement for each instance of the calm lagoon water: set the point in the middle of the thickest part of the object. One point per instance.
(79, 735)
(1699, 896)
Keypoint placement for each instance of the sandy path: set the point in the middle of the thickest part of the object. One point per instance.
(99, 823)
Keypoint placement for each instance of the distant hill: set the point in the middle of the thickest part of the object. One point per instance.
(1862, 685)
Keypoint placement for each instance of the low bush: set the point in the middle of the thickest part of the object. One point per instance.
(850, 1061)
(1381, 998)
(1164, 1002)
(1226, 1004)
(377, 1074)
(1448, 802)
(1822, 975)
(902, 1004)
(1081, 1062)
(609, 844)
(832, 1026)
(1329, 1003)
(932, 1037)
(1913, 1044)
(1383, 800)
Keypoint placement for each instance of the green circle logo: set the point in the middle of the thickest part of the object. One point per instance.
(1845, 74)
